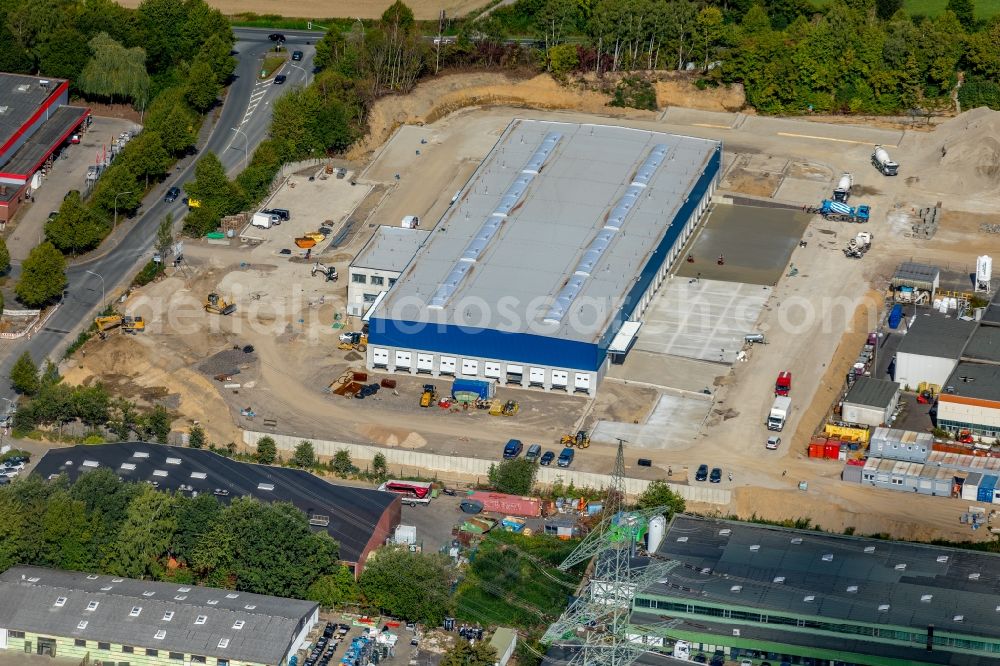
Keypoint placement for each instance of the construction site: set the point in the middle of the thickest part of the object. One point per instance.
(781, 274)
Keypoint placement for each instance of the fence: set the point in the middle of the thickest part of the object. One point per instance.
(446, 464)
(30, 326)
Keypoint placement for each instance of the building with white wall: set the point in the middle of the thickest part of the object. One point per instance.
(870, 402)
(379, 264)
(930, 350)
(562, 235)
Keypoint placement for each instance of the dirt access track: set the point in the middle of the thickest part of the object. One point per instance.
(423, 10)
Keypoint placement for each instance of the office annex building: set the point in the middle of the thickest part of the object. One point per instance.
(562, 235)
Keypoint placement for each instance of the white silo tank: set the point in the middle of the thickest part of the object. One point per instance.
(984, 272)
(657, 528)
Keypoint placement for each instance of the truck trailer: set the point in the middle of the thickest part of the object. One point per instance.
(779, 413)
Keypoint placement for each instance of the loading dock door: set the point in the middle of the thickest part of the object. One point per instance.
(425, 362)
(470, 366)
(581, 381)
(560, 378)
(403, 359)
(492, 370)
(515, 373)
(536, 376)
(448, 365)
(380, 357)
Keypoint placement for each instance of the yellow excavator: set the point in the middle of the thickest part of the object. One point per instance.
(580, 440)
(127, 324)
(215, 304)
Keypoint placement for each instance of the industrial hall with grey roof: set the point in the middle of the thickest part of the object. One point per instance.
(563, 234)
(794, 594)
(115, 618)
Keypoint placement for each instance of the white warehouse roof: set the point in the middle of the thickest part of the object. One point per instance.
(552, 230)
(390, 249)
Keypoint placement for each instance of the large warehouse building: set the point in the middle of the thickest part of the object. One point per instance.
(87, 618)
(359, 519)
(561, 236)
(35, 119)
(802, 597)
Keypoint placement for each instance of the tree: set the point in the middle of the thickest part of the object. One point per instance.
(24, 375)
(4, 257)
(43, 276)
(50, 375)
(379, 467)
(216, 194)
(341, 464)
(115, 72)
(217, 52)
(267, 451)
(556, 18)
(146, 156)
(304, 455)
(195, 517)
(118, 190)
(202, 90)
(125, 419)
(165, 235)
(470, 653)
(412, 586)
(563, 59)
(335, 589)
(67, 534)
(515, 476)
(965, 10)
(144, 537)
(178, 129)
(91, 404)
(196, 439)
(158, 424)
(107, 498)
(658, 493)
(12, 531)
(75, 228)
(885, 9)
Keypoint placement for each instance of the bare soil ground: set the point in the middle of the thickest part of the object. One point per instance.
(318, 9)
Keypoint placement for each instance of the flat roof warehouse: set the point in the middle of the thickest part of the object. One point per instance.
(549, 234)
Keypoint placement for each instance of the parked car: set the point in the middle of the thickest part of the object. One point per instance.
(566, 457)
(702, 473)
(534, 452)
(512, 449)
(276, 37)
(279, 79)
(74, 139)
(773, 443)
(10, 464)
(172, 194)
(296, 55)
(282, 213)
(53, 215)
(716, 475)
(547, 458)
(9, 473)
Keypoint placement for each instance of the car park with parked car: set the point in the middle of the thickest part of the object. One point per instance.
(534, 452)
(512, 449)
(547, 458)
(702, 473)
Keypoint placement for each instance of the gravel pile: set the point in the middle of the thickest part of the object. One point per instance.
(226, 362)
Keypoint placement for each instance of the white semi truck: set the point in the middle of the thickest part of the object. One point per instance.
(779, 413)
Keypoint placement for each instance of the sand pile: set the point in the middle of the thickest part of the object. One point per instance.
(962, 154)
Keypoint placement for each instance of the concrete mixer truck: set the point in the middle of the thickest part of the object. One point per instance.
(843, 191)
(882, 162)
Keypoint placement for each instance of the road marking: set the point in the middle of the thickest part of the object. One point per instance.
(828, 138)
(710, 125)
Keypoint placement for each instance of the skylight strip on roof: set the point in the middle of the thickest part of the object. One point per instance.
(491, 225)
(616, 220)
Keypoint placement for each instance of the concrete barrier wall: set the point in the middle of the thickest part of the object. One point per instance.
(460, 465)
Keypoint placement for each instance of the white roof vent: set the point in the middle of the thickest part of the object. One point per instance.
(60, 602)
(180, 597)
(128, 466)
(82, 624)
(183, 589)
(869, 549)
(93, 577)
(754, 548)
(107, 588)
(117, 580)
(797, 540)
(974, 576)
(682, 539)
(34, 579)
(736, 588)
(201, 619)
(140, 454)
(828, 557)
(238, 625)
(265, 486)
(926, 598)
(900, 567)
(852, 589)
(809, 598)
(725, 532)
(223, 642)
(942, 559)
(92, 606)
(199, 475)
(159, 472)
(160, 635)
(173, 461)
(958, 618)
(148, 593)
(168, 616)
(136, 610)
(232, 595)
(883, 608)
(212, 602)
(779, 579)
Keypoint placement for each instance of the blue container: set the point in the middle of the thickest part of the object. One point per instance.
(986, 488)
(895, 315)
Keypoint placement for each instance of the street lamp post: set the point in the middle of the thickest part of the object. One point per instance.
(103, 296)
(246, 144)
(116, 208)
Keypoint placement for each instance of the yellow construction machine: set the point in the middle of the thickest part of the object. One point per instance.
(356, 341)
(580, 440)
(127, 324)
(215, 304)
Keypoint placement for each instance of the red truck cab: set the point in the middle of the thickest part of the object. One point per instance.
(783, 385)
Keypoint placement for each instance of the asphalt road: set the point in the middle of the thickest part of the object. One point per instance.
(247, 107)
